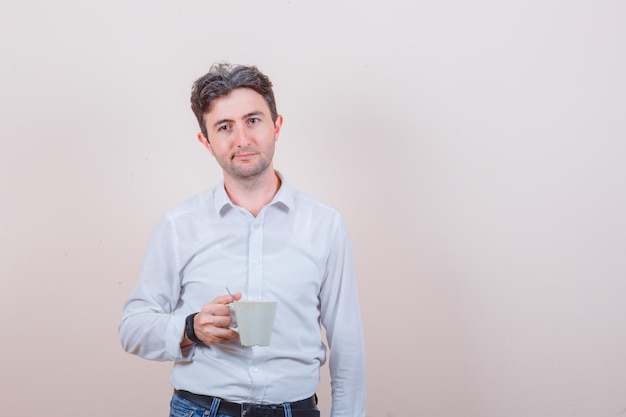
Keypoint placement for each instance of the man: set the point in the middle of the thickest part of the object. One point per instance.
(256, 235)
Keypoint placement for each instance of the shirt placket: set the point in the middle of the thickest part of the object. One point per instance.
(255, 259)
(255, 292)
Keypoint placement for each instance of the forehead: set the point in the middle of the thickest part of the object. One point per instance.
(236, 104)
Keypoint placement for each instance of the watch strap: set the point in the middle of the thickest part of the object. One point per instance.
(189, 331)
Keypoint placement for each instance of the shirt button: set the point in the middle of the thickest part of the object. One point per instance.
(255, 369)
(255, 263)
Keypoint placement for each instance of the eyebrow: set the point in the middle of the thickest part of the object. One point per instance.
(245, 116)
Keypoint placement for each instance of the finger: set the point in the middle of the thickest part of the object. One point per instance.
(213, 315)
(227, 299)
(217, 335)
(223, 299)
(225, 334)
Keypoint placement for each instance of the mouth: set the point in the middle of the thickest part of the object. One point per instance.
(243, 155)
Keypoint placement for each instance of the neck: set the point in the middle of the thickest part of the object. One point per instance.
(255, 193)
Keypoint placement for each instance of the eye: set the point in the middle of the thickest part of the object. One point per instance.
(254, 120)
(223, 128)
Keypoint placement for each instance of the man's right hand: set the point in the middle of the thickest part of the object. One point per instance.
(211, 323)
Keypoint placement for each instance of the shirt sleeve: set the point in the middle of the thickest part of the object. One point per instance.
(341, 316)
(149, 327)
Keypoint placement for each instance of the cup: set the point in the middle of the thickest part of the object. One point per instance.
(254, 321)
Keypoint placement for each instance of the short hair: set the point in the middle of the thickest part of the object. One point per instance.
(223, 78)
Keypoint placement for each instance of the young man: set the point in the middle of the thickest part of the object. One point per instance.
(256, 235)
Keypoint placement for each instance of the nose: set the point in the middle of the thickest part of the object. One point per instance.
(243, 138)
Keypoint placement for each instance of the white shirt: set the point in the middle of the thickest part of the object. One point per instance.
(296, 251)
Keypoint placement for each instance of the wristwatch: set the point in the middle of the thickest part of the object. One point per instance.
(191, 334)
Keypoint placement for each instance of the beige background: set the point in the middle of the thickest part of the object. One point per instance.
(477, 150)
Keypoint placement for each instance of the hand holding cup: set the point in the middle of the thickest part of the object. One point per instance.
(211, 324)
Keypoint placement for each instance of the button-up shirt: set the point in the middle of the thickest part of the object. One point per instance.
(295, 251)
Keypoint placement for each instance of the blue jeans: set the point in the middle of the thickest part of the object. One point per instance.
(180, 407)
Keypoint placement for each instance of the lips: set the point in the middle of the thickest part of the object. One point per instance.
(246, 155)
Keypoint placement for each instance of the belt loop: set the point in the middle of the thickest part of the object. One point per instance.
(287, 408)
(214, 406)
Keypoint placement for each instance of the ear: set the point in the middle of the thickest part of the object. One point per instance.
(278, 124)
(205, 142)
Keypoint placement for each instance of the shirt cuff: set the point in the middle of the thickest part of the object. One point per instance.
(174, 336)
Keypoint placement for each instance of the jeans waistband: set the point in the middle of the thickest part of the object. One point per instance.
(248, 409)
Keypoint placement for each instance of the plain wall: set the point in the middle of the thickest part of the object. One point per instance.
(476, 149)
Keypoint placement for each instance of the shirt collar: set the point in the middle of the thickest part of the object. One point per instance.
(285, 196)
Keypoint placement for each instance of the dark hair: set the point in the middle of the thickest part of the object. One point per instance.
(223, 78)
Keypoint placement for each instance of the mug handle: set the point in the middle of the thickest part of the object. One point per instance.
(234, 328)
